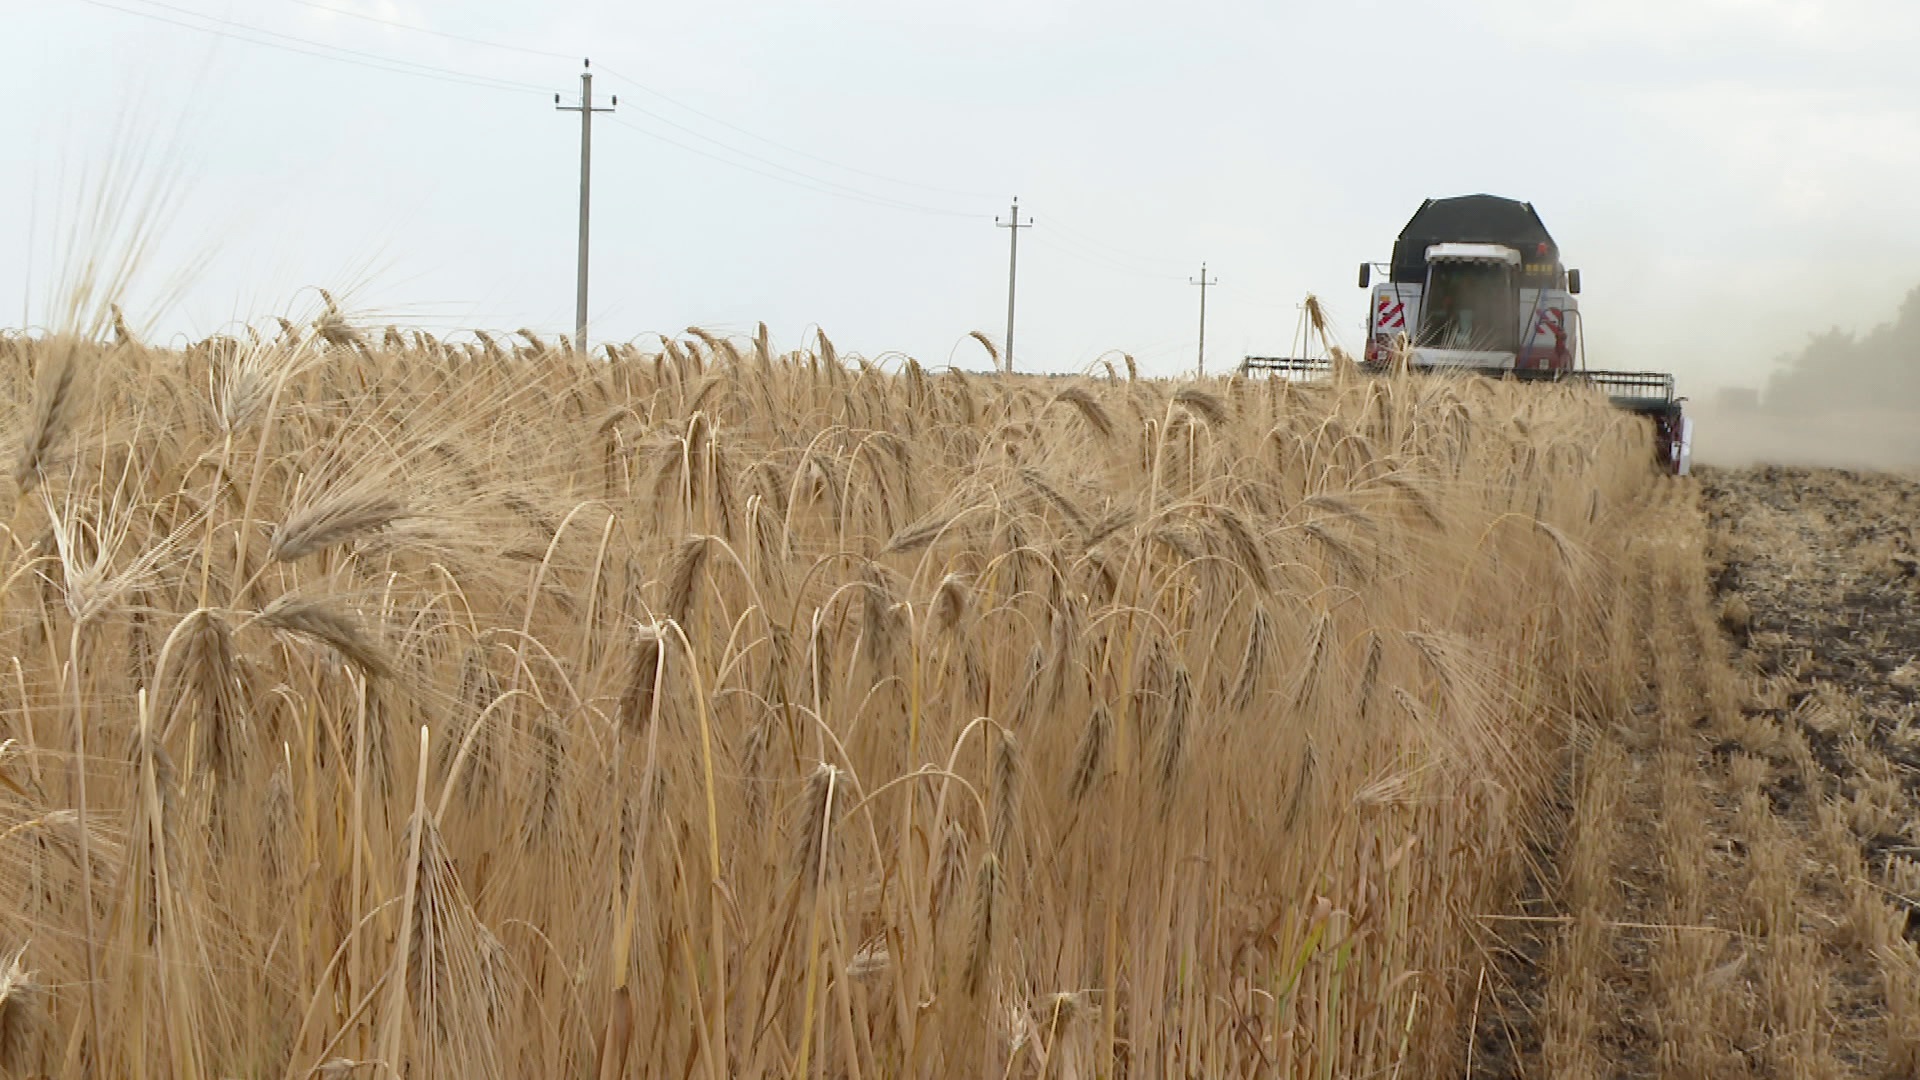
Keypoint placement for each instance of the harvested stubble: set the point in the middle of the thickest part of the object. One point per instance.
(450, 711)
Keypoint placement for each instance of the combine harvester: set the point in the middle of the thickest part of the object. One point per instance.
(1476, 285)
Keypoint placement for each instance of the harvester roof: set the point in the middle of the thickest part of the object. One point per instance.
(1471, 219)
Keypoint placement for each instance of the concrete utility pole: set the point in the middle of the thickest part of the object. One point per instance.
(1013, 224)
(586, 110)
(1204, 284)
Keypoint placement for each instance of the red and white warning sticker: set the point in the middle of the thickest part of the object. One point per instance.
(1391, 314)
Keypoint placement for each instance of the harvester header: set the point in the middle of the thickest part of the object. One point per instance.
(1476, 285)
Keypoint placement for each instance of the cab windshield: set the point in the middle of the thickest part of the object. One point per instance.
(1470, 306)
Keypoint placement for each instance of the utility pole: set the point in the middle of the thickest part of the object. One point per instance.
(1013, 225)
(1204, 284)
(586, 110)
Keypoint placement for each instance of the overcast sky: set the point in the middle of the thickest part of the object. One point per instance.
(1729, 175)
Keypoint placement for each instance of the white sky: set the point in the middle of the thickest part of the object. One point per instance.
(1729, 175)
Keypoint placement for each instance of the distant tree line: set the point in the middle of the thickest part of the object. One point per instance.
(1839, 370)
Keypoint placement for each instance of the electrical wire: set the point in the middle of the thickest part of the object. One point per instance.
(1057, 244)
(1062, 238)
(645, 89)
(249, 28)
(307, 47)
(330, 9)
(769, 162)
(810, 184)
(635, 84)
(1103, 247)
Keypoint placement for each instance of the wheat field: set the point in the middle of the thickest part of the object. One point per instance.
(382, 706)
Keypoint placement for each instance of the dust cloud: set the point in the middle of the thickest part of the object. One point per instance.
(1842, 400)
(1730, 436)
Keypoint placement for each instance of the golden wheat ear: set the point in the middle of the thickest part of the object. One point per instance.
(337, 517)
(326, 624)
(58, 397)
(22, 1015)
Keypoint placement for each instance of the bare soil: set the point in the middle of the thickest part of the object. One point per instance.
(1825, 561)
(1730, 887)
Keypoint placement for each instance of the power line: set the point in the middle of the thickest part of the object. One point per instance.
(292, 43)
(408, 67)
(645, 89)
(351, 56)
(650, 91)
(434, 33)
(1065, 239)
(769, 162)
(810, 183)
(248, 27)
(1053, 242)
(1111, 251)
(306, 46)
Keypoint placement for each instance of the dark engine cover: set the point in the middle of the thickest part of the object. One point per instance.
(1479, 219)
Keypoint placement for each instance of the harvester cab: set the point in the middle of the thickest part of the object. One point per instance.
(1476, 284)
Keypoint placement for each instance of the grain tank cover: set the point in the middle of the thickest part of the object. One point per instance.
(1478, 219)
